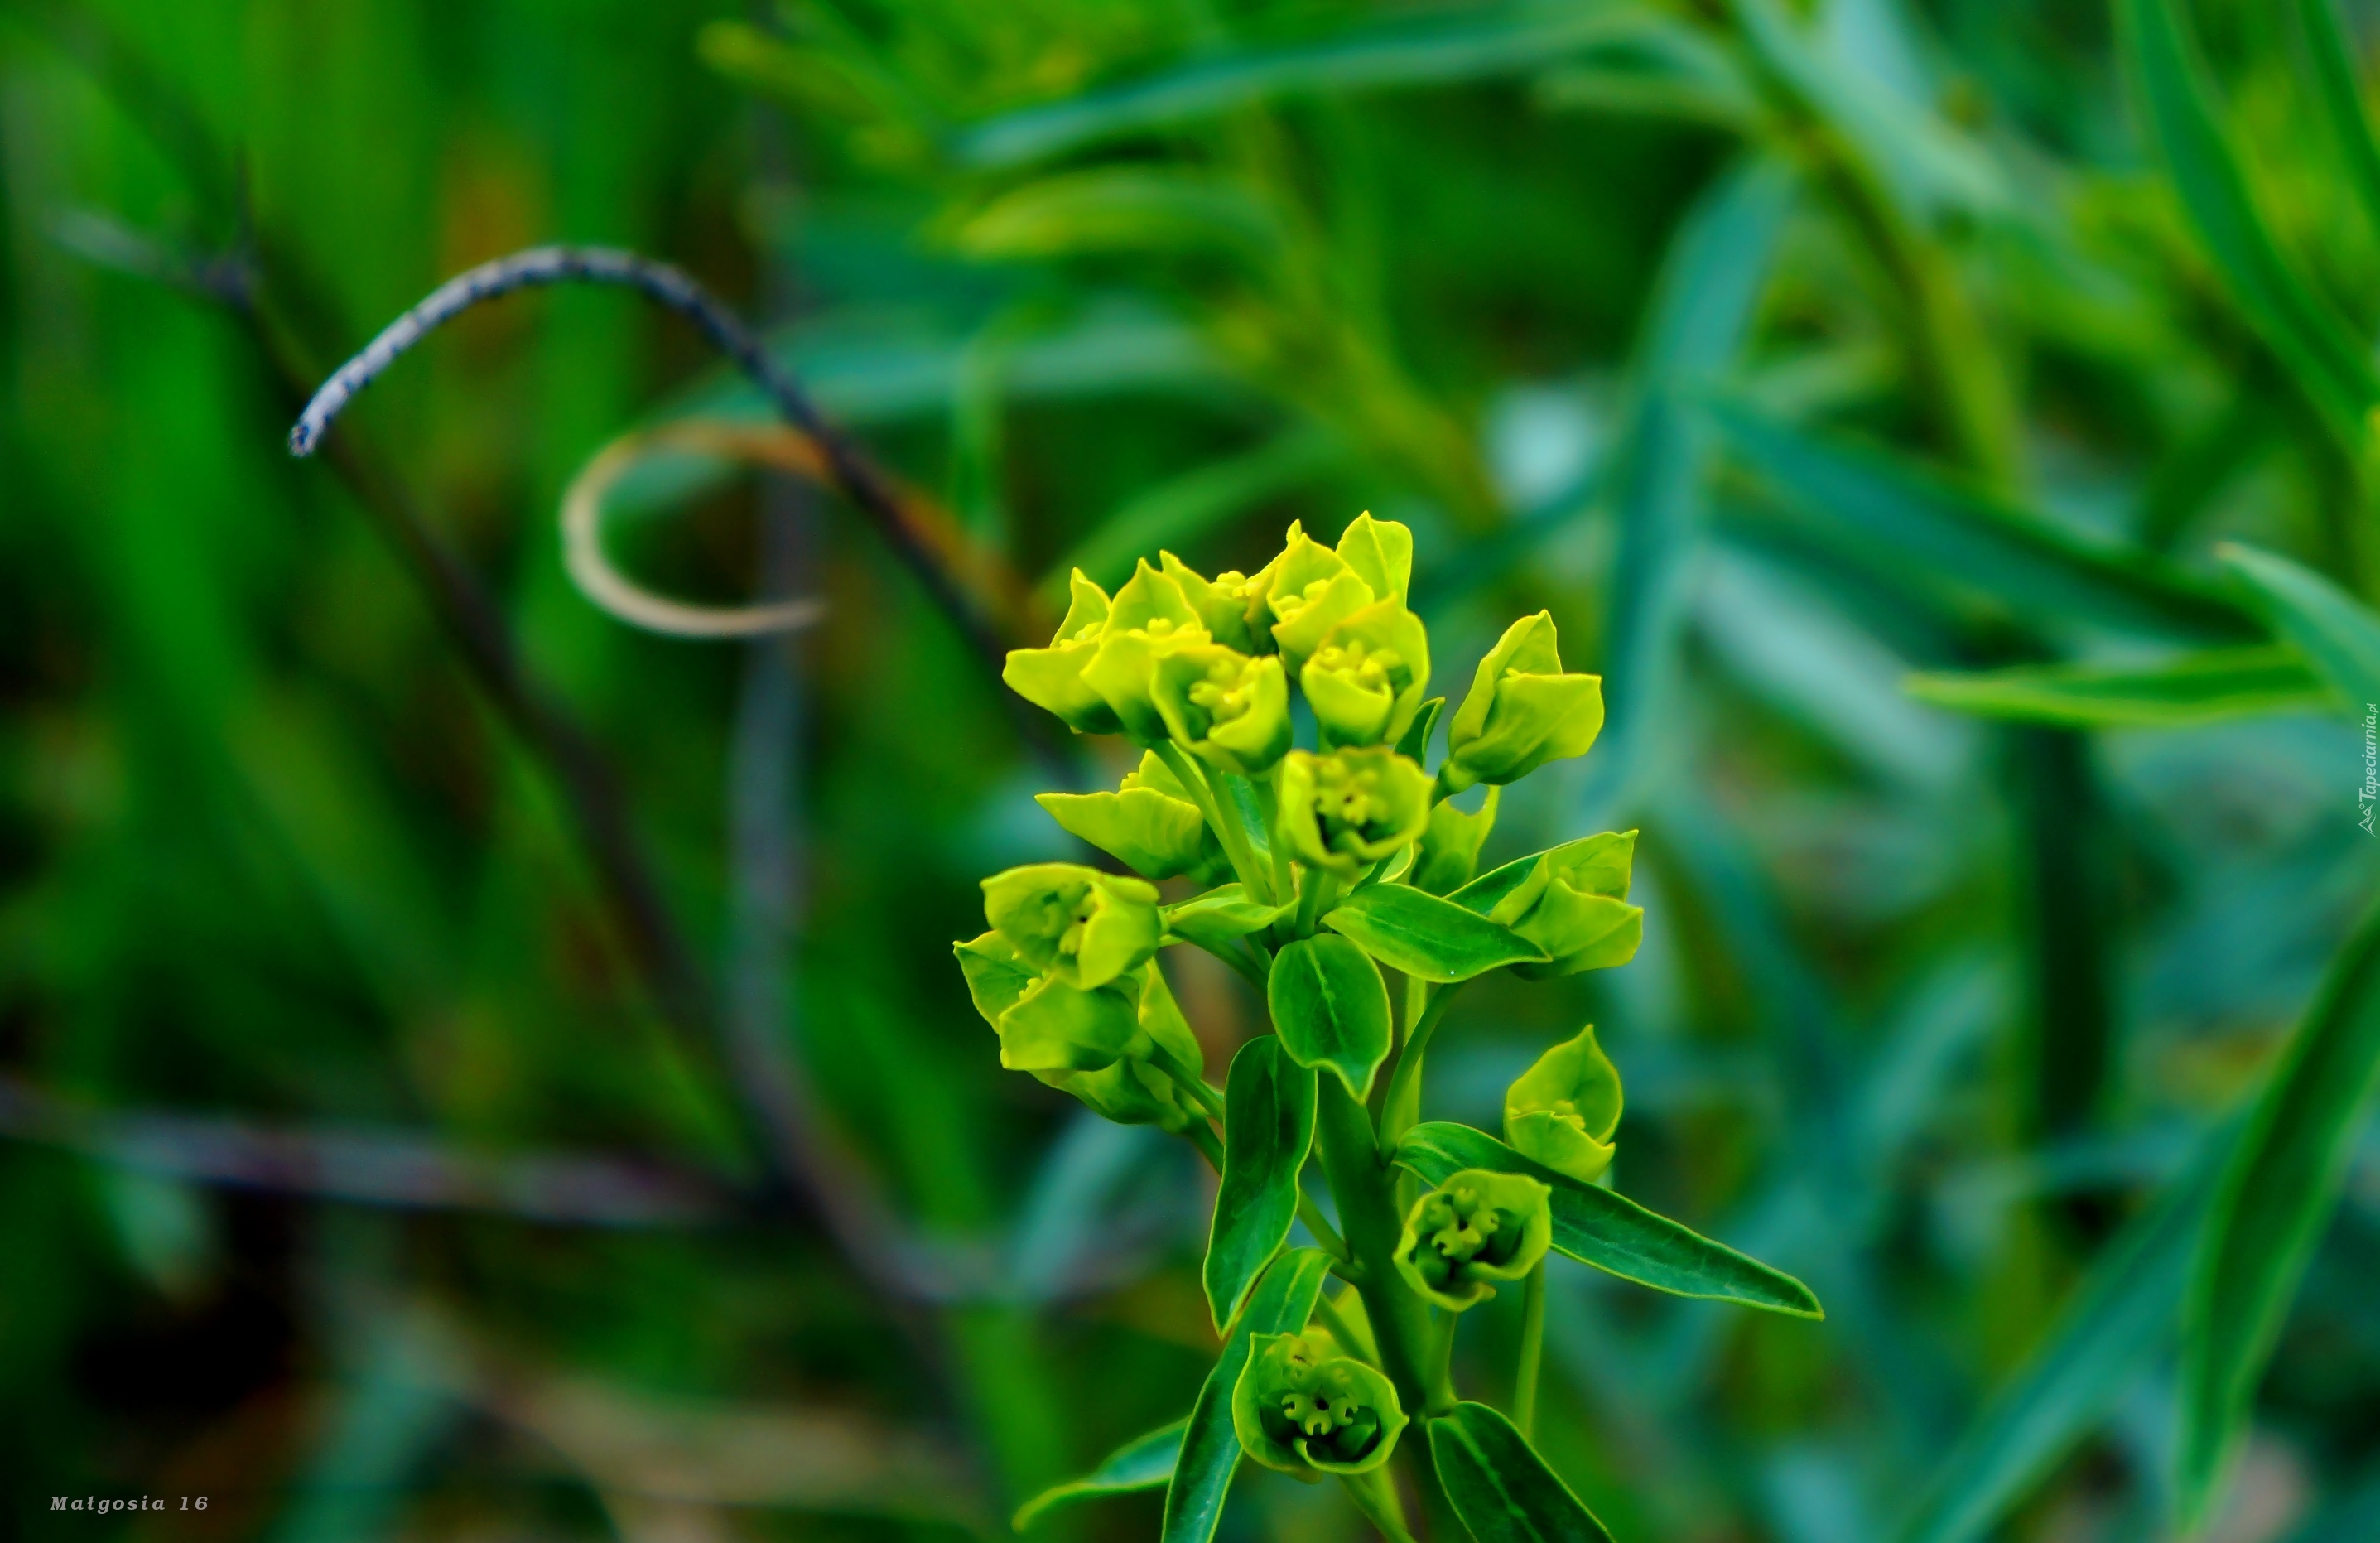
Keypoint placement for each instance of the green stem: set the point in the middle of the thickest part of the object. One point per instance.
(1190, 1081)
(1239, 961)
(1202, 1136)
(1400, 1108)
(1284, 881)
(1364, 1185)
(1533, 1349)
(1325, 1233)
(1193, 778)
(1441, 1361)
(1377, 1498)
(1313, 896)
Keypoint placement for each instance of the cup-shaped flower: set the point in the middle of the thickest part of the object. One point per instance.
(1115, 1047)
(1380, 550)
(1225, 708)
(1077, 925)
(1313, 590)
(1478, 1228)
(1304, 1408)
(1522, 711)
(1051, 679)
(1149, 823)
(1230, 605)
(1367, 679)
(1573, 906)
(1148, 619)
(1563, 1111)
(1348, 809)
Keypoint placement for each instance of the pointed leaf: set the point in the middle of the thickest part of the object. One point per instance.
(2341, 94)
(1210, 1448)
(2277, 1197)
(1330, 1008)
(2196, 688)
(2336, 633)
(1144, 1462)
(1421, 934)
(1902, 512)
(1500, 1485)
(1219, 916)
(1615, 1235)
(1268, 1130)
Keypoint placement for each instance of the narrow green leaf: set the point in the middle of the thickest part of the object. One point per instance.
(1965, 540)
(1421, 934)
(2105, 1336)
(2302, 331)
(1613, 1233)
(2337, 632)
(1219, 916)
(1500, 1485)
(1210, 1448)
(1144, 1462)
(2277, 1197)
(1393, 54)
(1415, 746)
(2196, 688)
(1330, 1008)
(1268, 1130)
(2333, 61)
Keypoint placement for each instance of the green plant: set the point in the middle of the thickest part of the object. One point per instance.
(1345, 867)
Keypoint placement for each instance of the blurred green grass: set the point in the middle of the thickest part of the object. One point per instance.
(358, 1177)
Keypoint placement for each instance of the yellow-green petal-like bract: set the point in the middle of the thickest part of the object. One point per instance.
(1051, 679)
(1478, 1228)
(1148, 619)
(1368, 677)
(1302, 1407)
(1563, 1111)
(1076, 924)
(1348, 809)
(1522, 711)
(1229, 711)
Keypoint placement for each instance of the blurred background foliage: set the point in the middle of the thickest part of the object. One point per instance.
(474, 1070)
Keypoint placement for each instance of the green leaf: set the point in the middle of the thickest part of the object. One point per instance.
(1331, 1009)
(1144, 1462)
(2105, 1336)
(1124, 209)
(1615, 1235)
(1395, 53)
(1421, 934)
(1219, 916)
(1268, 1130)
(2020, 564)
(1210, 1447)
(2336, 633)
(1500, 1485)
(2300, 328)
(2333, 58)
(2196, 688)
(1415, 746)
(2277, 1197)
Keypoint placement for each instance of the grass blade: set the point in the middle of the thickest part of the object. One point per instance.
(1613, 1233)
(2276, 1197)
(1268, 1130)
(2337, 632)
(1142, 1462)
(2196, 688)
(2176, 101)
(2333, 62)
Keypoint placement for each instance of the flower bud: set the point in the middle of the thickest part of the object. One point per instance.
(1051, 679)
(1302, 1407)
(1150, 619)
(1228, 710)
(1476, 1228)
(1522, 711)
(1313, 590)
(1227, 604)
(1367, 679)
(1077, 925)
(1562, 1110)
(1449, 847)
(1350, 808)
(1380, 550)
(1573, 906)
(1149, 823)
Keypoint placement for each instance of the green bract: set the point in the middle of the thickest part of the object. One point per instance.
(1347, 810)
(1150, 823)
(1475, 1229)
(1342, 883)
(1080, 926)
(1225, 708)
(1570, 902)
(1304, 1408)
(1562, 1110)
(1523, 710)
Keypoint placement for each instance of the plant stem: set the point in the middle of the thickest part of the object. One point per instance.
(1400, 1108)
(1441, 1361)
(1344, 1330)
(1533, 1349)
(1194, 782)
(1202, 1136)
(1325, 1233)
(1189, 1081)
(1314, 894)
(1284, 881)
(1377, 1498)
(1364, 1185)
